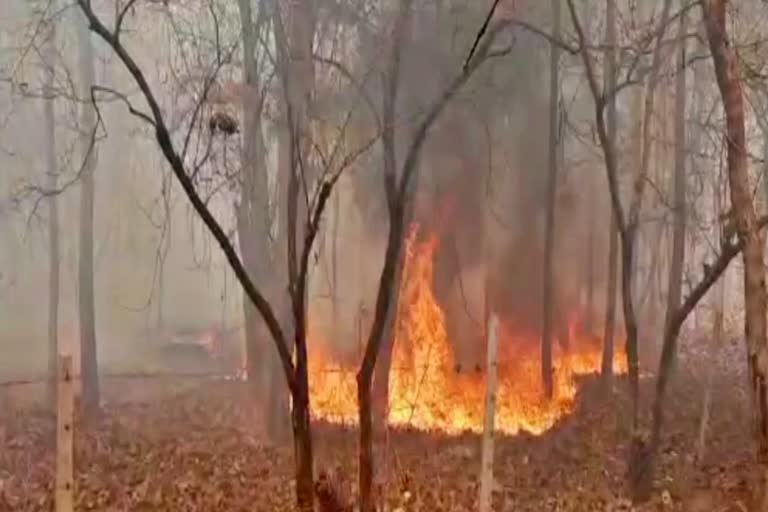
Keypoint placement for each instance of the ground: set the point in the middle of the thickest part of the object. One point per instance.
(198, 447)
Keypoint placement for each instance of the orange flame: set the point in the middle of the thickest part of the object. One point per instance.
(428, 393)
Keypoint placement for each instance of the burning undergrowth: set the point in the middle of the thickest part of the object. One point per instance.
(431, 389)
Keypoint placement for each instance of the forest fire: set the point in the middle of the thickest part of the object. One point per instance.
(429, 390)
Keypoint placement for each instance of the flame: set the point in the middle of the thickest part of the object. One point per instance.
(429, 391)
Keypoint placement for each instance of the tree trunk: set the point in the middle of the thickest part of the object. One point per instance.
(294, 35)
(677, 258)
(589, 325)
(397, 190)
(643, 483)
(380, 400)
(380, 391)
(49, 120)
(335, 313)
(630, 232)
(252, 212)
(302, 439)
(726, 71)
(606, 369)
(365, 462)
(88, 351)
(549, 295)
(715, 344)
(613, 248)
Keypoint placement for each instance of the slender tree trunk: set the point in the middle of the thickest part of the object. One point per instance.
(726, 71)
(643, 482)
(49, 120)
(389, 284)
(335, 263)
(610, 304)
(253, 218)
(613, 235)
(549, 295)
(88, 351)
(715, 344)
(294, 34)
(380, 390)
(589, 325)
(380, 401)
(629, 234)
(397, 199)
(166, 241)
(677, 258)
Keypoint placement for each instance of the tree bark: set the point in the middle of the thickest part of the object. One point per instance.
(549, 243)
(52, 171)
(613, 235)
(302, 438)
(87, 313)
(726, 71)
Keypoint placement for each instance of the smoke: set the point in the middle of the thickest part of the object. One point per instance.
(480, 188)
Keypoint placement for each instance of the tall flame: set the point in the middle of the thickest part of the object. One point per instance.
(428, 390)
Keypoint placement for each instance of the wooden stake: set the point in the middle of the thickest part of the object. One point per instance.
(64, 421)
(486, 465)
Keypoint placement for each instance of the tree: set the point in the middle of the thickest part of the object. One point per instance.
(627, 222)
(610, 85)
(252, 210)
(747, 229)
(677, 257)
(49, 120)
(294, 35)
(87, 313)
(397, 189)
(295, 374)
(641, 455)
(554, 121)
(672, 321)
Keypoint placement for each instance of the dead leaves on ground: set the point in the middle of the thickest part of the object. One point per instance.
(201, 452)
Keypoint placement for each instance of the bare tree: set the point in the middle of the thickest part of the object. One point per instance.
(644, 473)
(627, 222)
(294, 35)
(641, 453)
(677, 258)
(51, 168)
(88, 351)
(554, 122)
(295, 373)
(397, 186)
(252, 210)
(613, 249)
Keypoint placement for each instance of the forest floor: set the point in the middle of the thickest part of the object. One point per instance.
(200, 449)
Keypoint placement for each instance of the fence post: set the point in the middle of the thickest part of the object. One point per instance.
(486, 465)
(64, 499)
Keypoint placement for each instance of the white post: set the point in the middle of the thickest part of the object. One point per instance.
(64, 460)
(486, 466)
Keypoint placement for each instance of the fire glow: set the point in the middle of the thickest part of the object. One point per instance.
(427, 392)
